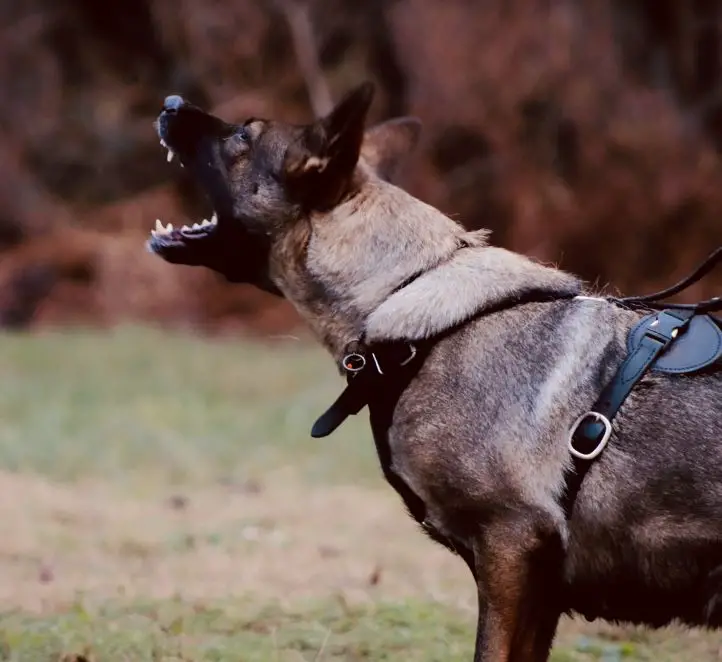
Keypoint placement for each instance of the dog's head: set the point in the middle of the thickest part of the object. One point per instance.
(263, 176)
(307, 211)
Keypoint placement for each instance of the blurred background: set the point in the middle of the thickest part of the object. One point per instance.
(160, 495)
(582, 132)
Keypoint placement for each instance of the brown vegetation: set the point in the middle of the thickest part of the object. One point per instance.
(583, 133)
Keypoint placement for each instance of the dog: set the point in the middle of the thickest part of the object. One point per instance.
(504, 354)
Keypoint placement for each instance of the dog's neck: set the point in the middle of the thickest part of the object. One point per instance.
(473, 281)
(385, 266)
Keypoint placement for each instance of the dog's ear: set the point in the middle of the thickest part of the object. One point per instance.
(321, 162)
(386, 144)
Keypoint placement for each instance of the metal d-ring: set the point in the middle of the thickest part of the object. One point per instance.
(600, 418)
(354, 362)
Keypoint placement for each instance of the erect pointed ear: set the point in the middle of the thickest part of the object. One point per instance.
(386, 144)
(322, 161)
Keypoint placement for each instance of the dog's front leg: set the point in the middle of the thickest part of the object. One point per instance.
(519, 575)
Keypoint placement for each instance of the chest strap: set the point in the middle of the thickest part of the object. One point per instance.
(590, 432)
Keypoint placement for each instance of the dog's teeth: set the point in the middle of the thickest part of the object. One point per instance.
(196, 226)
(162, 142)
(170, 155)
(214, 218)
(205, 223)
(160, 229)
(185, 227)
(153, 233)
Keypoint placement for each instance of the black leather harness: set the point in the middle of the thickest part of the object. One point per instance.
(670, 341)
(368, 374)
(676, 339)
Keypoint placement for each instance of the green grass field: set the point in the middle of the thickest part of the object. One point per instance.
(161, 499)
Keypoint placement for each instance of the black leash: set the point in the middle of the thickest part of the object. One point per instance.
(652, 300)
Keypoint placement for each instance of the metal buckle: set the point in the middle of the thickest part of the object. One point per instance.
(658, 336)
(602, 442)
(354, 362)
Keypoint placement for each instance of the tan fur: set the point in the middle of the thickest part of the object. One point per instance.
(474, 279)
(366, 248)
(360, 252)
(350, 241)
(349, 245)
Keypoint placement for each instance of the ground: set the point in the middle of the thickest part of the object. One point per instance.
(161, 499)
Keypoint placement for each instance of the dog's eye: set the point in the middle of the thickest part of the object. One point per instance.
(238, 141)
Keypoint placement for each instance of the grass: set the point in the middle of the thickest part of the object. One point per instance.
(176, 630)
(74, 404)
(161, 499)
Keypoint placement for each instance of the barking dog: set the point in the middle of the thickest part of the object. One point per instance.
(484, 360)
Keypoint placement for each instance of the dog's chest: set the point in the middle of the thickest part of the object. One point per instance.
(419, 500)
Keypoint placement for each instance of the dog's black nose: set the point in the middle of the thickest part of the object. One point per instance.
(172, 104)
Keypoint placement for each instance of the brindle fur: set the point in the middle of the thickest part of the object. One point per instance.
(476, 442)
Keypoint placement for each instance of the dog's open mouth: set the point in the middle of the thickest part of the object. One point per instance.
(188, 134)
(167, 235)
(198, 142)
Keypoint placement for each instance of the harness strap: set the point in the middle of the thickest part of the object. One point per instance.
(369, 374)
(351, 401)
(590, 433)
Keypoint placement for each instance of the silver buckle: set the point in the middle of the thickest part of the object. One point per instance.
(354, 362)
(602, 442)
